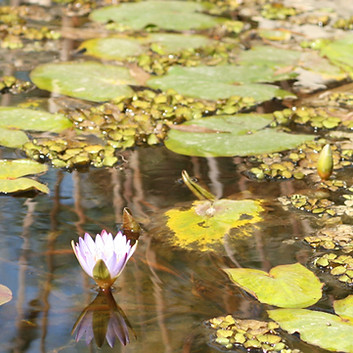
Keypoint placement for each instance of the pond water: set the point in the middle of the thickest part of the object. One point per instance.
(166, 293)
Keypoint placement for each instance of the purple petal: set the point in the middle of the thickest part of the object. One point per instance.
(110, 335)
(84, 328)
(84, 261)
(119, 266)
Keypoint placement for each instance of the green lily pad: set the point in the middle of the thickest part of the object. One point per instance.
(5, 294)
(206, 223)
(340, 53)
(238, 135)
(32, 120)
(12, 171)
(86, 80)
(113, 48)
(286, 286)
(215, 82)
(344, 307)
(12, 138)
(171, 15)
(8, 186)
(325, 330)
(174, 42)
(266, 55)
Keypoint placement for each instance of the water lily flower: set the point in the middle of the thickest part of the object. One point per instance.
(105, 258)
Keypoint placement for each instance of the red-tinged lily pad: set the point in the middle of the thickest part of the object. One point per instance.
(5, 294)
(238, 135)
(286, 286)
(328, 331)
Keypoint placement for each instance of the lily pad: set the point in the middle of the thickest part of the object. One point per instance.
(238, 135)
(322, 329)
(215, 82)
(286, 286)
(5, 294)
(206, 222)
(171, 15)
(174, 42)
(340, 53)
(112, 48)
(12, 138)
(266, 55)
(32, 120)
(12, 171)
(86, 80)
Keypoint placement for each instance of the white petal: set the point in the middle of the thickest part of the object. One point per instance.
(119, 266)
(90, 243)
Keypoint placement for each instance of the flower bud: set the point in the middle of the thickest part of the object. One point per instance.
(325, 163)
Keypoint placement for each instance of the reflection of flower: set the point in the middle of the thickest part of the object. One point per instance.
(105, 258)
(102, 319)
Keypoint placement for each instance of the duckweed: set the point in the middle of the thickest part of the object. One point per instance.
(339, 237)
(339, 266)
(231, 333)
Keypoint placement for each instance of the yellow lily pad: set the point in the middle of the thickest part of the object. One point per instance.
(207, 222)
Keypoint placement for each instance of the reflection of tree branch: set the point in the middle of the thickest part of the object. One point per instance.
(117, 199)
(157, 290)
(78, 208)
(228, 250)
(27, 222)
(53, 234)
(213, 174)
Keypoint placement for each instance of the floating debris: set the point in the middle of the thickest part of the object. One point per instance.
(314, 205)
(339, 266)
(145, 117)
(11, 84)
(71, 154)
(339, 237)
(234, 333)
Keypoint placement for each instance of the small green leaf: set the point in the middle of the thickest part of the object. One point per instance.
(5, 294)
(12, 138)
(286, 286)
(32, 120)
(238, 135)
(86, 80)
